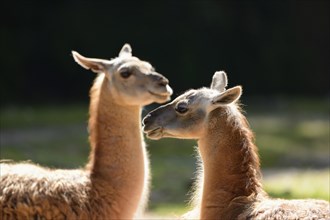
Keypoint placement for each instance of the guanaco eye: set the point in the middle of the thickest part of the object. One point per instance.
(125, 74)
(181, 108)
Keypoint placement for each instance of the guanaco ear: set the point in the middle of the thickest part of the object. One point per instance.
(96, 65)
(126, 51)
(229, 96)
(219, 81)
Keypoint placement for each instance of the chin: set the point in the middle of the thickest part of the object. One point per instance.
(155, 137)
(163, 100)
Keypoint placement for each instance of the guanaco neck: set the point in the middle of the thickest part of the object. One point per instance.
(117, 153)
(231, 166)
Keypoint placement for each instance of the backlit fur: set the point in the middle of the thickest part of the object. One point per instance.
(229, 185)
(115, 182)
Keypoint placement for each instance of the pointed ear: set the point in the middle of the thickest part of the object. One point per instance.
(229, 96)
(126, 51)
(96, 65)
(219, 81)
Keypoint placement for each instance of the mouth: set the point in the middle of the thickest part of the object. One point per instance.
(155, 134)
(163, 97)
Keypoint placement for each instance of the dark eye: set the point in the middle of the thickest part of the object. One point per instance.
(181, 108)
(125, 74)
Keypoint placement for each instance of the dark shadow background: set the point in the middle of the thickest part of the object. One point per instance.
(270, 47)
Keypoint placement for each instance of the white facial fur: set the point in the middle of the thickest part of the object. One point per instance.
(186, 116)
(131, 80)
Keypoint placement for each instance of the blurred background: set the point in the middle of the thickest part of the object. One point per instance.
(279, 51)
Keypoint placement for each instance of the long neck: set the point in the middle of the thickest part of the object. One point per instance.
(231, 166)
(117, 158)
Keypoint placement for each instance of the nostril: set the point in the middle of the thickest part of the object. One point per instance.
(159, 79)
(163, 82)
(146, 120)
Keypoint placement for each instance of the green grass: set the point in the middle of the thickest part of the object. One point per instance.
(287, 139)
(27, 116)
(296, 134)
(173, 165)
(169, 209)
(59, 153)
(299, 184)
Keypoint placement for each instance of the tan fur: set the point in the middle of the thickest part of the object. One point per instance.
(229, 185)
(114, 183)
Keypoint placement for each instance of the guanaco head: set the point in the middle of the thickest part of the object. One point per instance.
(186, 116)
(131, 80)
